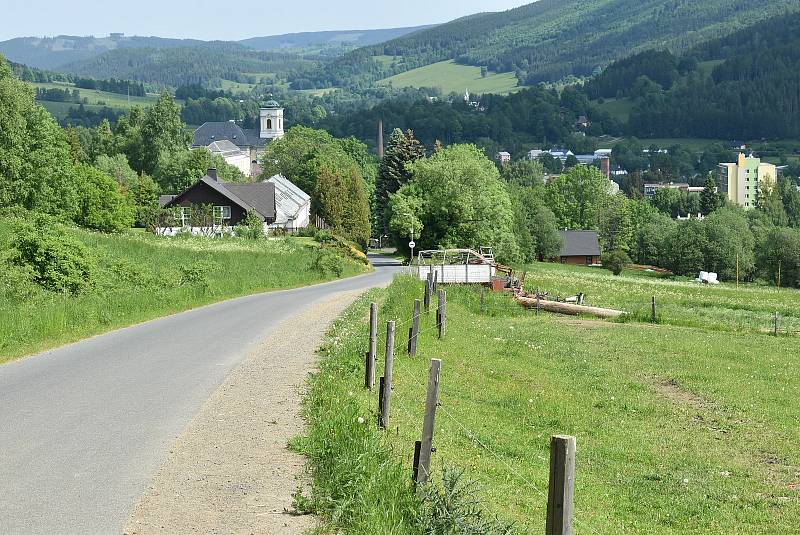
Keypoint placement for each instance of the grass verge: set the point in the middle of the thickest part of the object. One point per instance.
(680, 429)
(140, 277)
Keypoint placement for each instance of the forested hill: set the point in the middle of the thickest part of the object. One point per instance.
(291, 41)
(743, 86)
(186, 65)
(551, 39)
(55, 52)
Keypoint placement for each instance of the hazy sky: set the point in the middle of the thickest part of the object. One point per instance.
(207, 19)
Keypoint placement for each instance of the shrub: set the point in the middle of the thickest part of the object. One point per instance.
(327, 262)
(58, 261)
(615, 261)
(196, 274)
(252, 228)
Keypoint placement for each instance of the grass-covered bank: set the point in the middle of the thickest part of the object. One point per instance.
(680, 429)
(679, 301)
(134, 277)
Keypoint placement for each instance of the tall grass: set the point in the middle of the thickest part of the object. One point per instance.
(141, 277)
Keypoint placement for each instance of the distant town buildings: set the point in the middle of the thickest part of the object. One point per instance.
(503, 157)
(740, 182)
(651, 189)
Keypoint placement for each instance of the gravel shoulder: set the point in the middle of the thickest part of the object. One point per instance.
(230, 470)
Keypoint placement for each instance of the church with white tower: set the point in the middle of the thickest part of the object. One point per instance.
(271, 120)
(220, 137)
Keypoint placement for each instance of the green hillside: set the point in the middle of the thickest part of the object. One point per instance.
(449, 76)
(551, 39)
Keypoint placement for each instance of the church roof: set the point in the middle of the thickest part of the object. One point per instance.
(272, 104)
(211, 132)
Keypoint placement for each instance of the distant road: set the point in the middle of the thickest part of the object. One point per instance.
(84, 427)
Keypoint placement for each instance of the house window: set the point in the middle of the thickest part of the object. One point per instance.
(184, 215)
(589, 260)
(222, 215)
(563, 259)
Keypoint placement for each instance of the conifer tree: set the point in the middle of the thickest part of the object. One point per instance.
(403, 149)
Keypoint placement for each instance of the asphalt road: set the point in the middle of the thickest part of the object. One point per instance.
(84, 427)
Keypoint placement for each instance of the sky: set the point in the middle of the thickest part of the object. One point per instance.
(215, 19)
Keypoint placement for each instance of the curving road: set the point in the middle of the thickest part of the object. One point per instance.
(84, 427)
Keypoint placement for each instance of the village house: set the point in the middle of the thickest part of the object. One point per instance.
(503, 157)
(230, 201)
(579, 247)
(292, 205)
(232, 155)
(249, 141)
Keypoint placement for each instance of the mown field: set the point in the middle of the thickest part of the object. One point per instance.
(138, 277)
(95, 97)
(450, 77)
(680, 429)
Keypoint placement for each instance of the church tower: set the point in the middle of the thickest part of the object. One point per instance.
(271, 115)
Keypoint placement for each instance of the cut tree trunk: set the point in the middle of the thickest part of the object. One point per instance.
(568, 308)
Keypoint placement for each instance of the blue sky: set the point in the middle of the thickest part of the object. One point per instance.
(207, 19)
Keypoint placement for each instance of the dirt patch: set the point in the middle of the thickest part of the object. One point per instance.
(676, 393)
(230, 470)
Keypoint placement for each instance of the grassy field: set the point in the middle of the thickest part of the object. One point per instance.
(449, 77)
(140, 277)
(103, 98)
(619, 109)
(680, 429)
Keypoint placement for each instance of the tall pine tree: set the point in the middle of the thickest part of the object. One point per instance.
(709, 198)
(403, 149)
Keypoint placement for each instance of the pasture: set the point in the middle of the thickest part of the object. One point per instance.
(686, 426)
(451, 77)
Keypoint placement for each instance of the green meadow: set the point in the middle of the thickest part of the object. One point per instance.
(685, 426)
(450, 77)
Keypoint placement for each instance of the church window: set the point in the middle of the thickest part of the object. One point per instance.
(269, 124)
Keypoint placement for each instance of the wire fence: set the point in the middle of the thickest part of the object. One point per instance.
(404, 377)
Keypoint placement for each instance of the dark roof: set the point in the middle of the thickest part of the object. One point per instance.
(258, 196)
(579, 243)
(164, 199)
(208, 133)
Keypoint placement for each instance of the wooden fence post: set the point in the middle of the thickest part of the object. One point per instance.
(386, 380)
(435, 286)
(654, 316)
(369, 373)
(428, 290)
(483, 300)
(431, 402)
(414, 330)
(562, 486)
(441, 313)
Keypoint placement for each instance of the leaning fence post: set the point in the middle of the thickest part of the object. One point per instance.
(369, 372)
(386, 380)
(562, 486)
(441, 312)
(654, 315)
(431, 402)
(414, 330)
